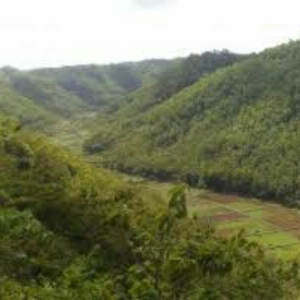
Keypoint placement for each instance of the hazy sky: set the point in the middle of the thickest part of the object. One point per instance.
(37, 33)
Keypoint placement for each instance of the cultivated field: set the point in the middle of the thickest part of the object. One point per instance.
(275, 227)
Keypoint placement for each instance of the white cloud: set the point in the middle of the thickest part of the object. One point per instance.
(152, 3)
(36, 33)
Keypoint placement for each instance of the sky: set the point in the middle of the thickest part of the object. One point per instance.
(43, 33)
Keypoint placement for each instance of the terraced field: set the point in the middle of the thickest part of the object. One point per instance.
(275, 227)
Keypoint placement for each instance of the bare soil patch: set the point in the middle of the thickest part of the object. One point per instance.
(286, 219)
(222, 199)
(227, 217)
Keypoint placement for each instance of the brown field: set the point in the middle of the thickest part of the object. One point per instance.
(220, 198)
(229, 217)
(273, 226)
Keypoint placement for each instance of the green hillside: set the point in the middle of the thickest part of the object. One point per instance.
(236, 129)
(44, 92)
(103, 86)
(43, 98)
(69, 231)
(49, 95)
(20, 108)
(229, 122)
(179, 75)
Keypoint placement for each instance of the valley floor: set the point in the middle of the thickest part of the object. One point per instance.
(276, 227)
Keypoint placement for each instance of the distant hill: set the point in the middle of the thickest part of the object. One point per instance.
(17, 107)
(44, 92)
(236, 129)
(180, 74)
(71, 91)
(103, 86)
(40, 98)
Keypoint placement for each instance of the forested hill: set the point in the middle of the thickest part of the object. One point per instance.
(236, 129)
(20, 108)
(179, 75)
(70, 91)
(44, 96)
(102, 86)
(72, 232)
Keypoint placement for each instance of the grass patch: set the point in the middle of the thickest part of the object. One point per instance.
(263, 222)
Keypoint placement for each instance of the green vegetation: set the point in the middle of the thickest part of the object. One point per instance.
(23, 109)
(69, 231)
(102, 86)
(180, 74)
(40, 98)
(68, 92)
(273, 226)
(220, 120)
(235, 130)
(44, 92)
(43, 99)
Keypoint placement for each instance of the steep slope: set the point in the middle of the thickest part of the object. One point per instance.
(48, 99)
(44, 92)
(103, 86)
(181, 74)
(69, 231)
(70, 92)
(73, 92)
(20, 108)
(235, 130)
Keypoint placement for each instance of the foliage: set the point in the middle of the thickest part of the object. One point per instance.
(69, 231)
(100, 86)
(42, 98)
(235, 130)
(20, 108)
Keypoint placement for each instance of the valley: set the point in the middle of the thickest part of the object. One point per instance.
(274, 226)
(156, 180)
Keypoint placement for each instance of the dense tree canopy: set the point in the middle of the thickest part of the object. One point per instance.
(236, 129)
(69, 231)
